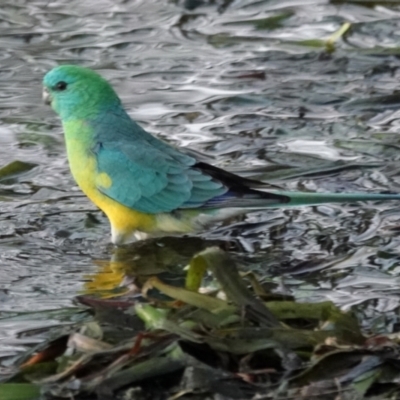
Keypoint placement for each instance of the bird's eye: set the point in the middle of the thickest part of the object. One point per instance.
(61, 86)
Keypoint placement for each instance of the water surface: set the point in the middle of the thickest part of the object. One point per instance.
(247, 84)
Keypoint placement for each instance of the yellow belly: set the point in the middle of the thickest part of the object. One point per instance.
(124, 221)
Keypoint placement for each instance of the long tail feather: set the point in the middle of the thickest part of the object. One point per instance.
(304, 198)
(281, 199)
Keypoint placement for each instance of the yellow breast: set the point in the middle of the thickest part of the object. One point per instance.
(124, 221)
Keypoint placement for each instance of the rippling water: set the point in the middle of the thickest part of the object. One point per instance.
(246, 83)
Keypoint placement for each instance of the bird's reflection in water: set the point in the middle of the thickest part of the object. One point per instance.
(166, 257)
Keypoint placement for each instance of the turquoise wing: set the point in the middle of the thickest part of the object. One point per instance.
(150, 180)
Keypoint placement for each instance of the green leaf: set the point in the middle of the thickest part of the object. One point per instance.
(268, 23)
(19, 391)
(311, 43)
(157, 319)
(365, 381)
(225, 271)
(195, 299)
(195, 274)
(174, 359)
(15, 168)
(330, 43)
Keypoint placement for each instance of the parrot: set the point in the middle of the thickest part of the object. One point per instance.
(144, 185)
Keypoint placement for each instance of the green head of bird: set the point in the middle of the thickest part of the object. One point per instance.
(77, 93)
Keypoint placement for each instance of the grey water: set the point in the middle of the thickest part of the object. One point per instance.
(251, 87)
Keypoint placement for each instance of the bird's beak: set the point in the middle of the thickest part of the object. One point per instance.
(46, 97)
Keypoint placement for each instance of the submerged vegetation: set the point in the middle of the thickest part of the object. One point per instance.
(221, 334)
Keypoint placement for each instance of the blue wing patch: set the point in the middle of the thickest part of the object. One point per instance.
(151, 181)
